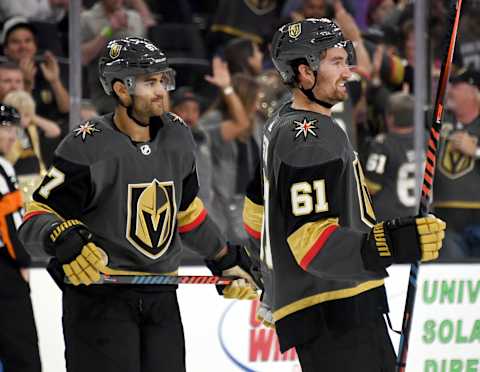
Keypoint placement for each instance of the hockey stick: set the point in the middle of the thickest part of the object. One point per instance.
(428, 176)
(161, 279)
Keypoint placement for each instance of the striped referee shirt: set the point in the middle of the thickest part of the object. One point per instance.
(11, 212)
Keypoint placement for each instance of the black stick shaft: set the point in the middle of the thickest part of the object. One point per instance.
(428, 176)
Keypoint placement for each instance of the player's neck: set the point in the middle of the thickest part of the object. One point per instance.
(301, 102)
(127, 126)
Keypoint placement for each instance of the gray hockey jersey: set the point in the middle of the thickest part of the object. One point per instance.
(136, 198)
(317, 211)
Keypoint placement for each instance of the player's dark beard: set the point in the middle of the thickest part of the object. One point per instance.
(132, 116)
(337, 96)
(142, 114)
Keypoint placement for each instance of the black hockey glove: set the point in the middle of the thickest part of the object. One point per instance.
(71, 243)
(403, 240)
(236, 263)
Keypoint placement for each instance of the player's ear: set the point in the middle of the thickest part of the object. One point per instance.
(305, 76)
(121, 92)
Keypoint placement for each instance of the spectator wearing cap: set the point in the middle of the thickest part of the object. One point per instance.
(42, 76)
(187, 105)
(104, 21)
(456, 197)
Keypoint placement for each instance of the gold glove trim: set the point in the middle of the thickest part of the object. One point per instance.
(59, 229)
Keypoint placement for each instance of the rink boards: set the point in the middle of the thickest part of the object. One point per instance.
(223, 335)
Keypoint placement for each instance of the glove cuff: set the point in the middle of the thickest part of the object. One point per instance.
(393, 241)
(66, 239)
(376, 250)
(58, 230)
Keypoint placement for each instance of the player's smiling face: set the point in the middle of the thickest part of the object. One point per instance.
(150, 94)
(333, 74)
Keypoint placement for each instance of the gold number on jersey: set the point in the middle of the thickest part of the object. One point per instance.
(366, 206)
(302, 199)
(56, 179)
(265, 248)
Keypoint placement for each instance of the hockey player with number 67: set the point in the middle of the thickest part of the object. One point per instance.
(118, 199)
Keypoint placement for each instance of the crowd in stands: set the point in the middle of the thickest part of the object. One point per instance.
(227, 89)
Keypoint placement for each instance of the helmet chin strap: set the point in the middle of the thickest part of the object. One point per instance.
(130, 114)
(311, 96)
(138, 122)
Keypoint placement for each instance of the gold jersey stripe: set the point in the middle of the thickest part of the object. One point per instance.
(457, 204)
(253, 215)
(304, 238)
(191, 214)
(324, 297)
(35, 207)
(373, 187)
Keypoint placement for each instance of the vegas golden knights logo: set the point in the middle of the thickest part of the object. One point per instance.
(453, 163)
(151, 217)
(295, 30)
(115, 50)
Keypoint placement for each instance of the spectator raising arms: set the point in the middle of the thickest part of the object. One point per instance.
(230, 123)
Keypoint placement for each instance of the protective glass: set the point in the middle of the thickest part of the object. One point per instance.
(168, 79)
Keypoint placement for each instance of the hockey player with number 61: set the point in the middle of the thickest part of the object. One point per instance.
(118, 199)
(323, 252)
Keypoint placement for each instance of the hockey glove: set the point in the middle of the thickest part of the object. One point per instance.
(403, 240)
(82, 261)
(236, 263)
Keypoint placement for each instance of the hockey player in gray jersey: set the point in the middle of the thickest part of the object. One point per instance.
(390, 164)
(321, 243)
(118, 199)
